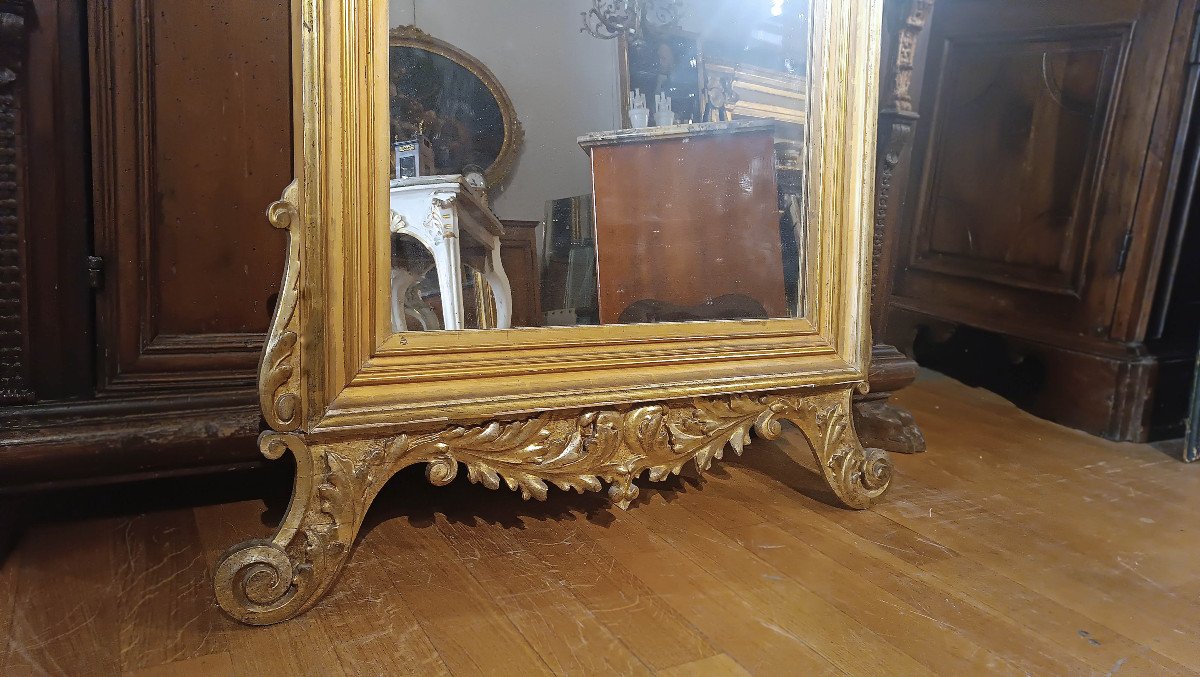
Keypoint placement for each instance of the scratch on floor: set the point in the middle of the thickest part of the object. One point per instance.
(779, 631)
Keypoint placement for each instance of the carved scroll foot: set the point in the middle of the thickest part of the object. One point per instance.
(858, 476)
(887, 426)
(265, 581)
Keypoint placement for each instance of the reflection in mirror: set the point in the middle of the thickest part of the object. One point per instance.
(644, 164)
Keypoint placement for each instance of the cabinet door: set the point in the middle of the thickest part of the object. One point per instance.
(192, 139)
(1036, 126)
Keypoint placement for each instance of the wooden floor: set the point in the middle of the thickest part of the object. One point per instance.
(1012, 546)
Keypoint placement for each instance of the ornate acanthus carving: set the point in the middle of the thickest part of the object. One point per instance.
(266, 581)
(888, 425)
(397, 223)
(278, 373)
(893, 141)
(440, 220)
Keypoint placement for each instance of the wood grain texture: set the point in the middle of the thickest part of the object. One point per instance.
(1013, 546)
(1050, 233)
(191, 140)
(674, 243)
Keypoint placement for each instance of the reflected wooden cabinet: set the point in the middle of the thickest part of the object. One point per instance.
(655, 248)
(1039, 202)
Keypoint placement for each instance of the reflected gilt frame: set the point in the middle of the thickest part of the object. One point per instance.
(582, 408)
(514, 133)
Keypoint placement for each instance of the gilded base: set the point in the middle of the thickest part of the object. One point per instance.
(266, 581)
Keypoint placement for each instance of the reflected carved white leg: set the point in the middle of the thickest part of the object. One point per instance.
(421, 311)
(497, 279)
(402, 281)
(448, 264)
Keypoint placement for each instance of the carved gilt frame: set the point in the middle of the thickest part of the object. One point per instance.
(572, 407)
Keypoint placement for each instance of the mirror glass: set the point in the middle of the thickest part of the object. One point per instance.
(585, 162)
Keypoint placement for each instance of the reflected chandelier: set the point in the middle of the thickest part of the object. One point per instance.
(608, 19)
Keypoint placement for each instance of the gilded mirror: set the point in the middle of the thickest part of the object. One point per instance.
(664, 275)
(697, 213)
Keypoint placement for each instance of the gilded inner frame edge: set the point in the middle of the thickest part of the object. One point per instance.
(348, 361)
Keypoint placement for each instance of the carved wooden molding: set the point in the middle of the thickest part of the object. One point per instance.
(881, 423)
(905, 19)
(895, 93)
(278, 371)
(267, 581)
(15, 387)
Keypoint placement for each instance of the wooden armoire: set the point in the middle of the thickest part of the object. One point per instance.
(1038, 249)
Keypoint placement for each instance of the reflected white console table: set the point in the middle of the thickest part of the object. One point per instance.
(445, 215)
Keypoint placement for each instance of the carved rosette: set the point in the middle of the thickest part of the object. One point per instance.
(278, 371)
(266, 581)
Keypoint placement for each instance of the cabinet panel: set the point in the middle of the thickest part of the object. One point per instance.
(1030, 169)
(1034, 112)
(192, 140)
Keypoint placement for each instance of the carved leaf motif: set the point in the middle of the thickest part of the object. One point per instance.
(338, 495)
(397, 223)
(714, 424)
(583, 452)
(523, 455)
(278, 377)
(266, 581)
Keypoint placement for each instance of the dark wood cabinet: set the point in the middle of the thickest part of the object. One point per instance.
(1039, 202)
(191, 112)
(143, 270)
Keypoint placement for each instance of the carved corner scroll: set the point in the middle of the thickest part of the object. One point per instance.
(279, 370)
(267, 581)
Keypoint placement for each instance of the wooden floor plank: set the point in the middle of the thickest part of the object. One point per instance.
(1055, 502)
(1013, 546)
(961, 606)
(720, 665)
(9, 575)
(1110, 596)
(569, 638)
(654, 632)
(200, 666)
(729, 622)
(65, 621)
(163, 582)
(469, 629)
(372, 629)
(784, 606)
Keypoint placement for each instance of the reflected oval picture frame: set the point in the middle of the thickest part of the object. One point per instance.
(481, 122)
